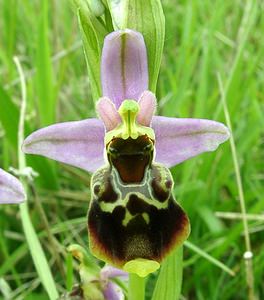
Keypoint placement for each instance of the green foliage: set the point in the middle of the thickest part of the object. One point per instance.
(93, 33)
(38, 255)
(46, 93)
(168, 285)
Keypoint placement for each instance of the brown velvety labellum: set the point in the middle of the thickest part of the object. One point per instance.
(133, 213)
(118, 244)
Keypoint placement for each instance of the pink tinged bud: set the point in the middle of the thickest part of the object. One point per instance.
(11, 189)
(124, 67)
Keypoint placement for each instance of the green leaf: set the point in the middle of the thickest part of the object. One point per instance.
(93, 33)
(44, 72)
(146, 17)
(37, 253)
(208, 257)
(9, 115)
(69, 272)
(5, 288)
(168, 285)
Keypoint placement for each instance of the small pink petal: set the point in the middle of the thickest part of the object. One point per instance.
(111, 272)
(113, 292)
(11, 189)
(108, 113)
(180, 139)
(78, 143)
(147, 103)
(124, 66)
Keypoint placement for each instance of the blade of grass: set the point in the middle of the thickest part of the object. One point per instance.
(168, 285)
(207, 256)
(44, 74)
(9, 9)
(5, 289)
(248, 255)
(69, 272)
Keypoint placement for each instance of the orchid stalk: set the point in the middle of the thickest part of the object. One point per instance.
(11, 189)
(134, 221)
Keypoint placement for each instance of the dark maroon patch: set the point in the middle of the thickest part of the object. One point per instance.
(109, 194)
(136, 205)
(159, 193)
(166, 228)
(168, 184)
(96, 189)
(131, 157)
(119, 213)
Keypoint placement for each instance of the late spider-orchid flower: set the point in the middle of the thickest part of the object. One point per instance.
(11, 189)
(134, 220)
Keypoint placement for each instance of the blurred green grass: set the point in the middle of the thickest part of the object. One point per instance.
(203, 38)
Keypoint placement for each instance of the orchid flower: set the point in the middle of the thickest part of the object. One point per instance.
(133, 220)
(11, 189)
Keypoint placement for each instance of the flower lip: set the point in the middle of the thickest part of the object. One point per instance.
(142, 267)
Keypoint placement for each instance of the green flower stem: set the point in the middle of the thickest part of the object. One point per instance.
(136, 288)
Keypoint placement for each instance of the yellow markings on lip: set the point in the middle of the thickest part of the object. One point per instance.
(146, 217)
(129, 128)
(129, 217)
(141, 266)
(109, 207)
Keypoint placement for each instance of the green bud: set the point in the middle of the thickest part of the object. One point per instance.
(93, 33)
(96, 7)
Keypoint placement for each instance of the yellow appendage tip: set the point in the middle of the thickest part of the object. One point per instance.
(142, 267)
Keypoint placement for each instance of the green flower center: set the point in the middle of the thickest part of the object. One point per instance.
(129, 127)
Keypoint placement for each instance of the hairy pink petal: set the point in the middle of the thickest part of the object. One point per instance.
(11, 189)
(147, 103)
(124, 67)
(180, 139)
(78, 143)
(108, 113)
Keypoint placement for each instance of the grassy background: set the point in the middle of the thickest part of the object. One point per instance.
(203, 38)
